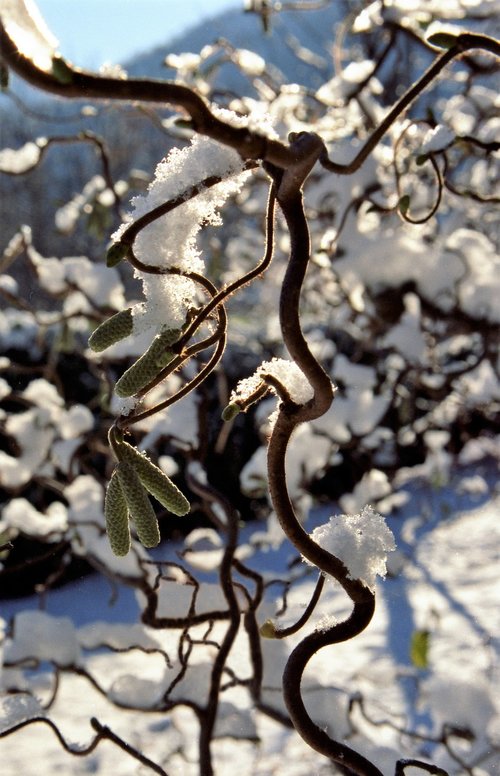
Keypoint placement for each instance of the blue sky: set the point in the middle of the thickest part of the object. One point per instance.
(91, 32)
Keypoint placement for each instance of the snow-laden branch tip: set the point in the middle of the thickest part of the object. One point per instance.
(285, 372)
(169, 242)
(360, 541)
(25, 26)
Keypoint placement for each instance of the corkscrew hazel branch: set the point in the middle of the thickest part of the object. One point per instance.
(455, 45)
(215, 304)
(103, 733)
(125, 421)
(289, 416)
(71, 82)
(269, 630)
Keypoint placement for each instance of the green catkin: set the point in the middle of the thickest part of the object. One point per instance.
(116, 516)
(156, 481)
(148, 365)
(113, 330)
(139, 505)
(61, 71)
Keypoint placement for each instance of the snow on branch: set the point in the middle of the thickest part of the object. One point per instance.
(169, 242)
(360, 541)
(25, 25)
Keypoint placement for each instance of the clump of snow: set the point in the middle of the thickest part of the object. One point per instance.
(26, 26)
(437, 139)
(285, 371)
(5, 388)
(341, 86)
(39, 635)
(183, 62)
(360, 541)
(373, 486)
(117, 636)
(475, 485)
(479, 288)
(8, 285)
(476, 449)
(76, 421)
(34, 434)
(21, 516)
(17, 708)
(168, 298)
(479, 386)
(135, 692)
(62, 453)
(250, 62)
(407, 336)
(170, 241)
(356, 375)
(16, 161)
(67, 216)
(101, 284)
(112, 70)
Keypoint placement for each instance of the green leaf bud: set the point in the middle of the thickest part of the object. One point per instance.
(148, 366)
(404, 204)
(61, 71)
(113, 330)
(116, 253)
(230, 412)
(116, 516)
(267, 630)
(156, 481)
(183, 123)
(139, 505)
(443, 40)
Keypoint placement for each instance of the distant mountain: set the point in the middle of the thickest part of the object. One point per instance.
(313, 30)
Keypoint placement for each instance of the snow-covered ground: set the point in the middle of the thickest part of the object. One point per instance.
(441, 595)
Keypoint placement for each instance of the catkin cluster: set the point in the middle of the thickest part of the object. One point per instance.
(148, 366)
(135, 475)
(127, 499)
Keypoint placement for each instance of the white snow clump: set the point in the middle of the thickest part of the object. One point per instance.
(170, 241)
(25, 25)
(16, 161)
(360, 541)
(44, 637)
(285, 371)
(18, 708)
